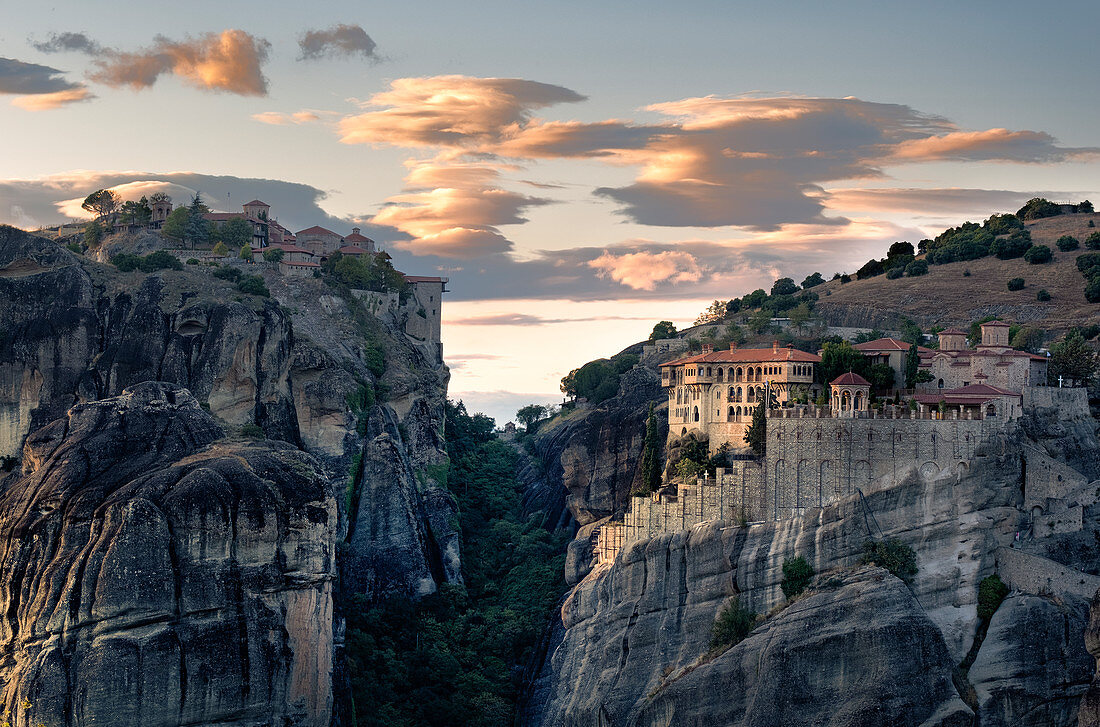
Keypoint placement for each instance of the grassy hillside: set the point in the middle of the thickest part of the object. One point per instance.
(946, 297)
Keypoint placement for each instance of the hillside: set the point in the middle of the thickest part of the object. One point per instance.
(946, 297)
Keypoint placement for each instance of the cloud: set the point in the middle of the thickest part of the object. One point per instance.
(230, 61)
(339, 40)
(278, 118)
(454, 211)
(990, 145)
(450, 111)
(644, 270)
(55, 100)
(69, 42)
(928, 201)
(527, 319)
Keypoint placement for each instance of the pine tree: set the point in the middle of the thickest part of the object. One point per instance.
(197, 230)
(912, 362)
(651, 454)
(757, 435)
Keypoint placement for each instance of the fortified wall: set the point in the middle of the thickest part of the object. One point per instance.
(813, 459)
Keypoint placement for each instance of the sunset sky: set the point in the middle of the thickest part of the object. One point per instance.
(578, 170)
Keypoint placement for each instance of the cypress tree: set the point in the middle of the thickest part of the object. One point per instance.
(757, 435)
(651, 454)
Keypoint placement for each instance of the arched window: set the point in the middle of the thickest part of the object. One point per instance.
(991, 411)
(695, 414)
(751, 395)
(719, 374)
(738, 373)
(708, 370)
(731, 411)
(940, 383)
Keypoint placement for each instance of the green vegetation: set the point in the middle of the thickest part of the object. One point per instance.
(101, 202)
(253, 285)
(245, 253)
(530, 415)
(454, 658)
(175, 227)
(253, 431)
(812, 281)
(893, 555)
(756, 436)
(597, 380)
(359, 402)
(273, 254)
(235, 232)
(1011, 247)
(93, 233)
(1067, 243)
(375, 272)
(228, 273)
(991, 592)
(1072, 359)
(797, 573)
(1038, 255)
(651, 455)
(220, 250)
(1092, 242)
(734, 623)
(159, 260)
(663, 329)
(916, 268)
(1016, 284)
(75, 247)
(1042, 296)
(135, 213)
(1038, 208)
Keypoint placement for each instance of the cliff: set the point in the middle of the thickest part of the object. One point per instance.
(157, 573)
(631, 646)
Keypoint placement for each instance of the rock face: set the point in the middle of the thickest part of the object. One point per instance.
(1089, 715)
(155, 573)
(596, 453)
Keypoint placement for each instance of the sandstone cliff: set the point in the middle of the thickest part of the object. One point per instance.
(156, 573)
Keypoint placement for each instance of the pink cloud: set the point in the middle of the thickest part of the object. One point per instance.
(645, 270)
(54, 100)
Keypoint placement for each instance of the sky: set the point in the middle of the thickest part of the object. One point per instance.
(579, 171)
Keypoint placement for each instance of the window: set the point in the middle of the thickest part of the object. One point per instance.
(940, 383)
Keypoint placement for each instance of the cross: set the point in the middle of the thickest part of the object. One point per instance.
(1059, 382)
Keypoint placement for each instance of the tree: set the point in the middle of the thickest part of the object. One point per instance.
(784, 286)
(1072, 359)
(135, 213)
(756, 436)
(870, 269)
(1026, 338)
(236, 232)
(101, 202)
(715, 312)
(734, 333)
(1016, 284)
(531, 415)
(797, 573)
(93, 233)
(651, 454)
(799, 315)
(881, 376)
(1092, 242)
(220, 250)
(916, 268)
(1085, 206)
(840, 358)
(912, 366)
(760, 320)
(1038, 255)
(754, 300)
(175, 226)
(1013, 246)
(246, 253)
(1043, 295)
(1037, 208)
(812, 280)
(900, 249)
(1068, 242)
(662, 330)
(1003, 224)
(198, 231)
(273, 254)
(159, 197)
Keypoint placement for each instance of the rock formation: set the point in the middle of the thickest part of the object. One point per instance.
(156, 573)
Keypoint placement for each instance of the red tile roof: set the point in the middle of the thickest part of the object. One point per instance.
(356, 237)
(997, 324)
(953, 332)
(965, 395)
(316, 230)
(256, 203)
(849, 379)
(749, 355)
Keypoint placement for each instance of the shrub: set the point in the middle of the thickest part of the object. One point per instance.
(1037, 208)
(220, 250)
(1092, 223)
(894, 273)
(126, 262)
(1013, 246)
(192, 261)
(1092, 289)
(893, 555)
(1042, 295)
(75, 247)
(796, 576)
(160, 260)
(1038, 254)
(254, 431)
(1067, 242)
(916, 268)
(733, 625)
(227, 273)
(991, 592)
(1089, 264)
(845, 278)
(1092, 242)
(870, 269)
(253, 285)
(966, 273)
(273, 254)
(1003, 224)
(1016, 284)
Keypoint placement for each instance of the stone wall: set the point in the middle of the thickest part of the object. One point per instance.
(1041, 576)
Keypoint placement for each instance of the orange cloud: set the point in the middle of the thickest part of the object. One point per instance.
(988, 145)
(229, 61)
(450, 111)
(645, 270)
(55, 100)
(278, 118)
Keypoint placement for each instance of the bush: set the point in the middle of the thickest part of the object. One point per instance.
(966, 273)
(1042, 295)
(1089, 264)
(273, 254)
(126, 262)
(870, 269)
(253, 285)
(1067, 242)
(1092, 289)
(845, 278)
(894, 273)
(160, 260)
(228, 273)
(796, 576)
(991, 592)
(1016, 284)
(192, 261)
(733, 625)
(1038, 255)
(916, 268)
(220, 250)
(1092, 242)
(893, 555)
(1037, 208)
(75, 247)
(254, 431)
(1011, 247)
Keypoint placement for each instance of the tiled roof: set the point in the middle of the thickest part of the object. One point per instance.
(996, 324)
(317, 230)
(256, 203)
(849, 379)
(356, 237)
(886, 344)
(749, 355)
(352, 250)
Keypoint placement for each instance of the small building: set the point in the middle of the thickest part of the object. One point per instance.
(428, 293)
(850, 394)
(993, 361)
(975, 401)
(254, 212)
(319, 240)
(354, 251)
(160, 209)
(892, 352)
(293, 269)
(359, 241)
